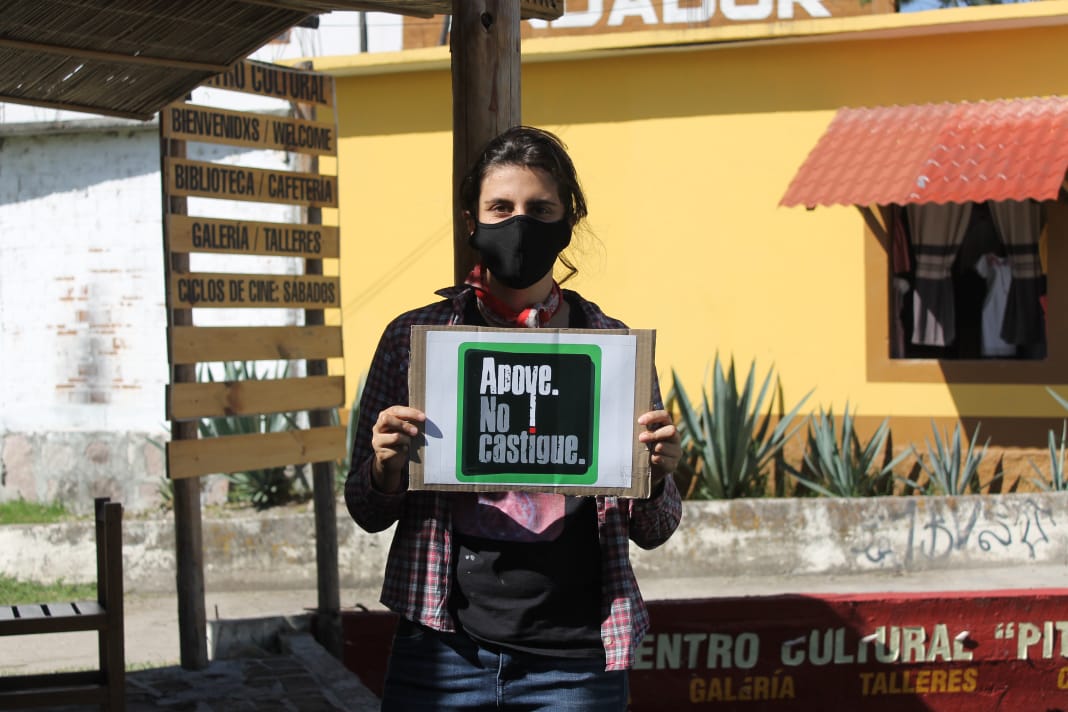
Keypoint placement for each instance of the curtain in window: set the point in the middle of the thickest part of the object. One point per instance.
(1020, 223)
(937, 231)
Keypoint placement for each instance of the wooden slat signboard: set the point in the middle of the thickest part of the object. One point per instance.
(215, 290)
(264, 79)
(192, 344)
(186, 401)
(186, 178)
(306, 240)
(188, 234)
(193, 458)
(236, 128)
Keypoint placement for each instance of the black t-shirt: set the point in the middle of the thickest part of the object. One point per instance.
(540, 596)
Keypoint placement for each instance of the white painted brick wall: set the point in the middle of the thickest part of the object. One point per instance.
(83, 353)
(82, 324)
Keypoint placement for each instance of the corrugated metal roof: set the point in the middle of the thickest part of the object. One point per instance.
(1009, 149)
(131, 57)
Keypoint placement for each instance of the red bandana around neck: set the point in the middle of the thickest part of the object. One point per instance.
(497, 313)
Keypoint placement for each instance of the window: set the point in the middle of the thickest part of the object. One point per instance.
(967, 281)
(909, 277)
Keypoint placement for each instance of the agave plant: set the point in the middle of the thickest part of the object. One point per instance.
(1057, 481)
(727, 443)
(841, 466)
(950, 469)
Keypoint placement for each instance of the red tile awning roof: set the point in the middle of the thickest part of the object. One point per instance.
(937, 153)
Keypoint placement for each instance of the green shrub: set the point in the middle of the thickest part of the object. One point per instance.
(14, 591)
(844, 467)
(19, 511)
(727, 445)
(950, 469)
(1056, 481)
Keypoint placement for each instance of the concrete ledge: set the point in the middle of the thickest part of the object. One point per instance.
(877, 535)
(723, 540)
(263, 551)
(230, 638)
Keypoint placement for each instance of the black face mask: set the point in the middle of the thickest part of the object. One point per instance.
(520, 250)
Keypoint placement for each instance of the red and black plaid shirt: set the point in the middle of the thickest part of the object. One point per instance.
(418, 570)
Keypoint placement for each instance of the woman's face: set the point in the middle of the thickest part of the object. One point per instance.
(511, 190)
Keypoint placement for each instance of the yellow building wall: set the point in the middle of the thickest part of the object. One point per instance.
(684, 154)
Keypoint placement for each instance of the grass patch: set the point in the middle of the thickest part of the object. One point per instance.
(19, 511)
(14, 591)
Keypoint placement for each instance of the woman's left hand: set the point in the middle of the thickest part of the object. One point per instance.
(662, 438)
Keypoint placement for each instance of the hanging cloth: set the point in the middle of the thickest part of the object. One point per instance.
(937, 232)
(1020, 223)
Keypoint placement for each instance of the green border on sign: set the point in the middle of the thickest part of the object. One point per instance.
(592, 351)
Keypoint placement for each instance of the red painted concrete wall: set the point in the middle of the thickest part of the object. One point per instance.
(972, 651)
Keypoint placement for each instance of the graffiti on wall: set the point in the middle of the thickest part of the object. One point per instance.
(1012, 529)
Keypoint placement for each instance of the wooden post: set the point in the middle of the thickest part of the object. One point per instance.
(328, 614)
(327, 630)
(485, 95)
(188, 535)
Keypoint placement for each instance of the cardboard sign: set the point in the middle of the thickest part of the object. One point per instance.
(543, 410)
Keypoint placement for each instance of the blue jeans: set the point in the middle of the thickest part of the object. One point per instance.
(429, 670)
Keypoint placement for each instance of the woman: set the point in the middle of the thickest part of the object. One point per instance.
(507, 600)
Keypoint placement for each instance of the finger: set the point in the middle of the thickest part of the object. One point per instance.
(666, 451)
(666, 433)
(391, 440)
(399, 419)
(405, 412)
(665, 463)
(666, 447)
(654, 417)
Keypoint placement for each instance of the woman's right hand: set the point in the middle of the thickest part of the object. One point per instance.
(391, 437)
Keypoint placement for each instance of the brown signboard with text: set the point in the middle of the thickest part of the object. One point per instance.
(226, 231)
(189, 122)
(596, 17)
(185, 178)
(262, 79)
(245, 237)
(218, 289)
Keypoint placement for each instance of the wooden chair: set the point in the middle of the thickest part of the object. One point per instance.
(105, 686)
